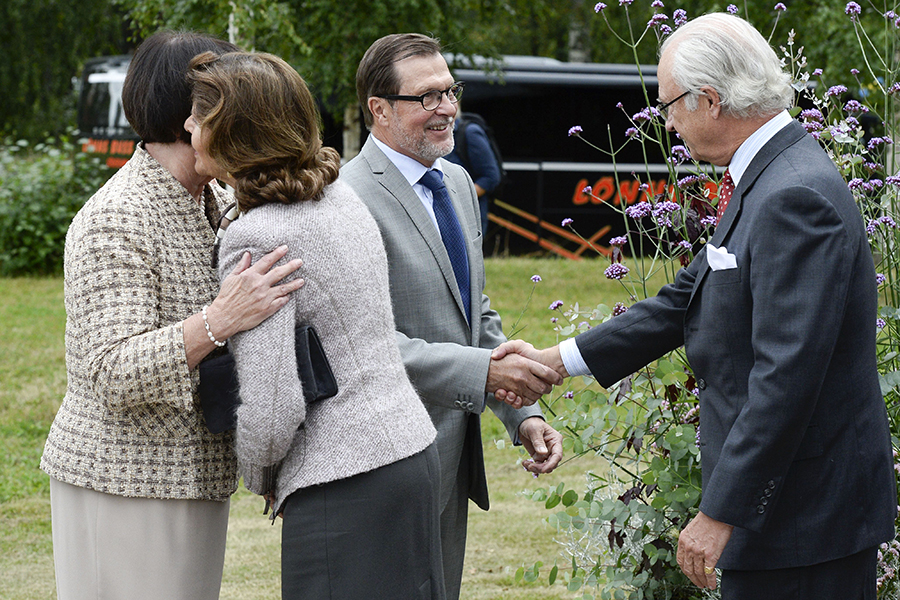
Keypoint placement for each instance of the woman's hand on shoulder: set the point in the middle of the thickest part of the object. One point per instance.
(250, 294)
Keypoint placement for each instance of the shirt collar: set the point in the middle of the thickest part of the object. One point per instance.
(753, 144)
(411, 169)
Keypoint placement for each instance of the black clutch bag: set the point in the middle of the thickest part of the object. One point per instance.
(219, 385)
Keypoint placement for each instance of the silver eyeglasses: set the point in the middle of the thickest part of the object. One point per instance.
(431, 100)
(664, 108)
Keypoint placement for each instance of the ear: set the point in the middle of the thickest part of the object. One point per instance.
(711, 101)
(381, 110)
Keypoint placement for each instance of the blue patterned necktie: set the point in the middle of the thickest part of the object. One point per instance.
(451, 232)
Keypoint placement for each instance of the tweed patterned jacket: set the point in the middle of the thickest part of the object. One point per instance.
(137, 263)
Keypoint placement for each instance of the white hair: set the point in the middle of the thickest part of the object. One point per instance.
(726, 53)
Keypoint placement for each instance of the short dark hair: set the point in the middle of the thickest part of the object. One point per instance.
(156, 96)
(376, 75)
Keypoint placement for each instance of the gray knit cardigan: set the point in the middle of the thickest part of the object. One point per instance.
(137, 263)
(377, 417)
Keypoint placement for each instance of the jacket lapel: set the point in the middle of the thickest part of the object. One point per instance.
(787, 136)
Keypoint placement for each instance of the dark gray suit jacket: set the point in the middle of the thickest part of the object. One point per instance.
(794, 436)
(446, 358)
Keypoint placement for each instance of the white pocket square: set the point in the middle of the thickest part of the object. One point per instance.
(719, 259)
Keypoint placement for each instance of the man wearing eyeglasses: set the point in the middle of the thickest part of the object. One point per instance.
(777, 317)
(428, 214)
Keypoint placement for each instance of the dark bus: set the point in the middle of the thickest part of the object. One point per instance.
(531, 104)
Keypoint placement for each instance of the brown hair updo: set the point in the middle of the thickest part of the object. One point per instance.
(262, 126)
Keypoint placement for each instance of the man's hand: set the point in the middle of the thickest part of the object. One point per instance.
(525, 378)
(699, 547)
(549, 357)
(543, 443)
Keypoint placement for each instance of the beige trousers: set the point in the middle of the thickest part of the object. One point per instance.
(108, 547)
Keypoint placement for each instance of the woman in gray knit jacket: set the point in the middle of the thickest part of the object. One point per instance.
(357, 474)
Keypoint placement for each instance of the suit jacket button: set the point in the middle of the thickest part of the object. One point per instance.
(760, 509)
(771, 484)
(701, 383)
(763, 501)
(470, 406)
(768, 493)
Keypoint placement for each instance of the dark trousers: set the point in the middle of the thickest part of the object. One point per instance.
(848, 578)
(374, 535)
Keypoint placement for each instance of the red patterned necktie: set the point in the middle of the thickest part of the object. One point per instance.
(726, 187)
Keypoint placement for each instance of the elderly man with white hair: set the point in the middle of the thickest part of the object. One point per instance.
(777, 316)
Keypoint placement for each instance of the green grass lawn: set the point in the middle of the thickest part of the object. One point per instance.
(32, 384)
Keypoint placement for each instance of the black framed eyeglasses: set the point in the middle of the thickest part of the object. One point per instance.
(431, 100)
(664, 108)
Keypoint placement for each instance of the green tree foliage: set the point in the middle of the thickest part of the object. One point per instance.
(44, 45)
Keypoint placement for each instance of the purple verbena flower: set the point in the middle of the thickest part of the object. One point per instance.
(657, 20)
(587, 190)
(854, 71)
(890, 15)
(665, 30)
(896, 87)
(886, 220)
(662, 210)
(812, 126)
(644, 115)
(880, 278)
(576, 130)
(893, 180)
(657, 4)
(556, 304)
(875, 142)
(855, 183)
(570, 394)
(625, 2)
(732, 9)
(812, 114)
(639, 210)
(599, 7)
(780, 7)
(836, 90)
(880, 324)
(709, 221)
(619, 309)
(817, 72)
(618, 241)
(554, 320)
(852, 122)
(853, 106)
(619, 105)
(616, 271)
(566, 222)
(536, 278)
(679, 17)
(853, 9)
(684, 244)
(631, 132)
(681, 153)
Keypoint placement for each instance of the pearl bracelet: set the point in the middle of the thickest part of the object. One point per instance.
(212, 338)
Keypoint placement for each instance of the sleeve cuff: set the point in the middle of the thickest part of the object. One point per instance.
(572, 359)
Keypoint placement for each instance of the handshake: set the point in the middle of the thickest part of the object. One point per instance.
(520, 374)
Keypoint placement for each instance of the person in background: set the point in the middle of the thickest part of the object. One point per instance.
(472, 151)
(357, 475)
(139, 487)
(427, 211)
(777, 316)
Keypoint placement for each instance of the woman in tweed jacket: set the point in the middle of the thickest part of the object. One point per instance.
(357, 475)
(139, 487)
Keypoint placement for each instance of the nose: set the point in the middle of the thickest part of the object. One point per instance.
(446, 107)
(670, 127)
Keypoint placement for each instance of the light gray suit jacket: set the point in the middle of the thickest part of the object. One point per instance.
(446, 358)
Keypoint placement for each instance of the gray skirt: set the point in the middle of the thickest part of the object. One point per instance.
(108, 547)
(373, 535)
